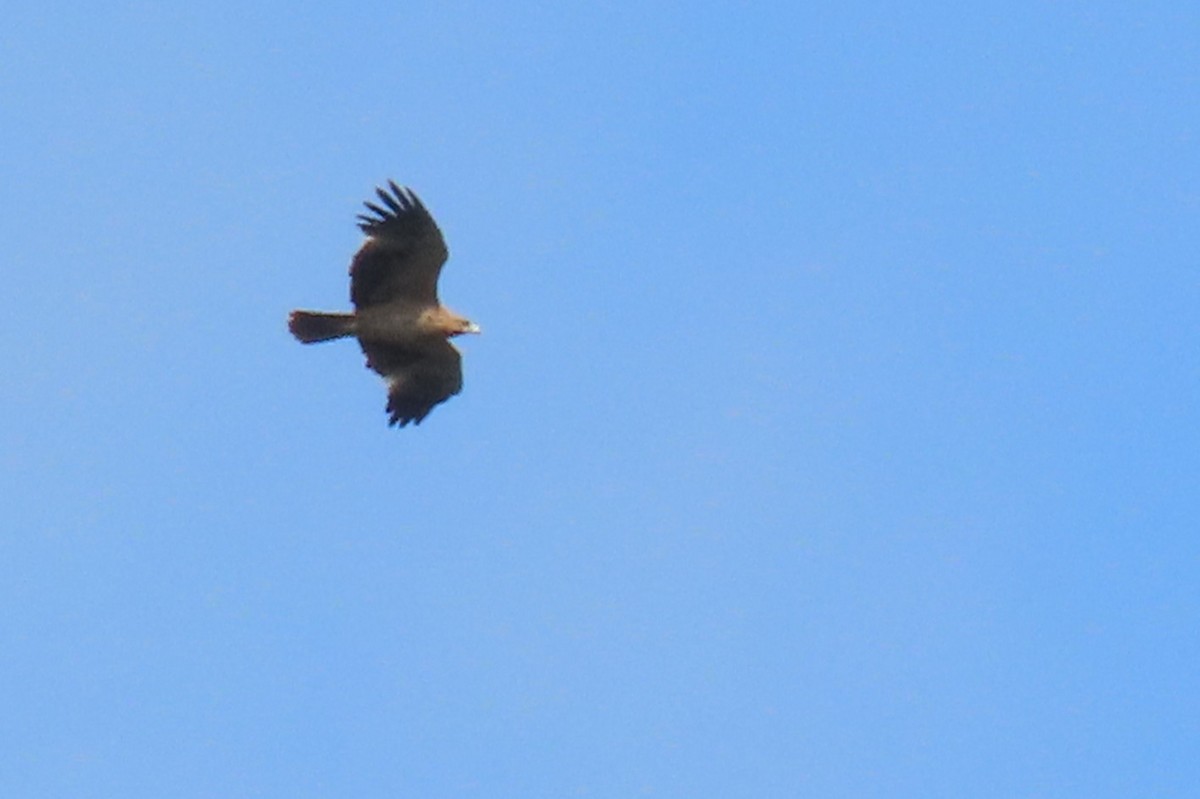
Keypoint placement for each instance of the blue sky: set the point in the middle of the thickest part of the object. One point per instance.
(833, 431)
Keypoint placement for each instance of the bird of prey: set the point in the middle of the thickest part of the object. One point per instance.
(401, 326)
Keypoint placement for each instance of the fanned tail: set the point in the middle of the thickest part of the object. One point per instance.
(310, 327)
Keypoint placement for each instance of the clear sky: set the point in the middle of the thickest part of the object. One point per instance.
(833, 432)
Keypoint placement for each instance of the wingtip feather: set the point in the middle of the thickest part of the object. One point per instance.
(391, 202)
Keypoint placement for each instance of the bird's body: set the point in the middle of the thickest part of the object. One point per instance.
(401, 326)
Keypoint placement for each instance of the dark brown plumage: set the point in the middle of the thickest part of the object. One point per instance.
(401, 326)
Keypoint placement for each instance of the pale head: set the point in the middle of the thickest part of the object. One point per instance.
(448, 323)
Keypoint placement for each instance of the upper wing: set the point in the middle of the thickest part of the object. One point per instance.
(403, 255)
(418, 379)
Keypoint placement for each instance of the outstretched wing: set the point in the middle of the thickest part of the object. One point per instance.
(418, 379)
(403, 255)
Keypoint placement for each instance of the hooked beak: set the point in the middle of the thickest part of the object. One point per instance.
(473, 328)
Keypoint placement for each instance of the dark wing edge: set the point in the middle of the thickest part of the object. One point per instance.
(402, 217)
(417, 382)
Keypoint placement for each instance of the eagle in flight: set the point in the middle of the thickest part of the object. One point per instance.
(401, 326)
